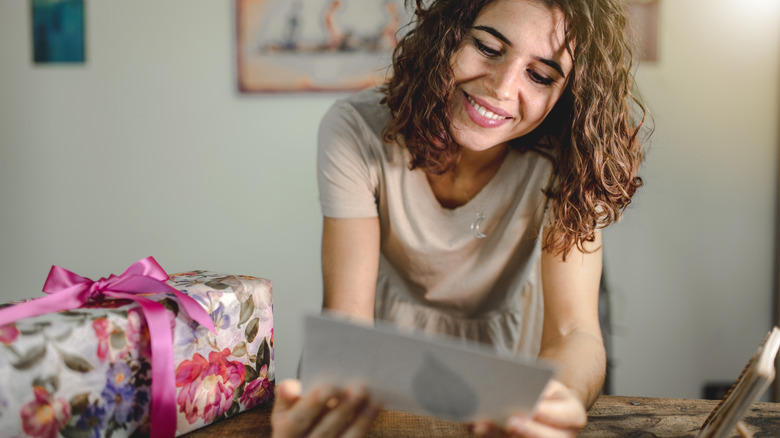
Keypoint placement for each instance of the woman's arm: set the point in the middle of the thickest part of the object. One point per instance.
(350, 261)
(571, 334)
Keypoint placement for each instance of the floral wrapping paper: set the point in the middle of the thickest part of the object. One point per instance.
(86, 372)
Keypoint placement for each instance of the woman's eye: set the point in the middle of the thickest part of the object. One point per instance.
(486, 50)
(539, 78)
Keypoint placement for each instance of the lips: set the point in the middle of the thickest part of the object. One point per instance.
(483, 114)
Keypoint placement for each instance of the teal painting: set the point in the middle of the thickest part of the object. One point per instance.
(58, 31)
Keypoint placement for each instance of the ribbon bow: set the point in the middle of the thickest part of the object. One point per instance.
(69, 291)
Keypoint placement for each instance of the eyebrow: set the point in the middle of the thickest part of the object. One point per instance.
(549, 62)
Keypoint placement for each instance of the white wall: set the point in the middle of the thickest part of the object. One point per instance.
(148, 149)
(691, 267)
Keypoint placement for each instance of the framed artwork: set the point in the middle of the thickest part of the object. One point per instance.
(315, 45)
(58, 31)
(644, 20)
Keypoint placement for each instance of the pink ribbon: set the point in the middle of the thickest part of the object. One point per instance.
(69, 291)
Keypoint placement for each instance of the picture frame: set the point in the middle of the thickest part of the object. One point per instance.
(58, 31)
(644, 23)
(315, 45)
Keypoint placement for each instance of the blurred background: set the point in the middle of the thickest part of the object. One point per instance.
(148, 148)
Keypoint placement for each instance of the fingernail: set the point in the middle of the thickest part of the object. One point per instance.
(517, 424)
(326, 393)
(358, 395)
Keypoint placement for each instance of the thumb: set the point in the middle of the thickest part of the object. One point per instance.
(288, 392)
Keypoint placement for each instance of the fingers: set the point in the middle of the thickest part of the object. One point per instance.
(526, 427)
(519, 426)
(325, 412)
(486, 429)
(558, 414)
(287, 393)
(305, 413)
(343, 412)
(560, 408)
(565, 414)
(362, 423)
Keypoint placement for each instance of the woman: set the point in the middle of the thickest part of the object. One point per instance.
(467, 194)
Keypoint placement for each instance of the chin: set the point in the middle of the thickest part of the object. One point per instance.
(474, 138)
(476, 145)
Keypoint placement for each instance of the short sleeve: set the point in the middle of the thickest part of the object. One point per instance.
(346, 166)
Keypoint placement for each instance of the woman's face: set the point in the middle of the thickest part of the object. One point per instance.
(509, 71)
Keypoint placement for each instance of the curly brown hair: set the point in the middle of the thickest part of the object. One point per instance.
(591, 135)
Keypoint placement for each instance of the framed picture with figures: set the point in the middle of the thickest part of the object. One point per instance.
(315, 45)
(644, 22)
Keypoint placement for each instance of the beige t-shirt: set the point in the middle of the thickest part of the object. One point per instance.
(433, 273)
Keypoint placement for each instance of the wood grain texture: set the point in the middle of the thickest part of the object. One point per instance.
(643, 417)
(611, 416)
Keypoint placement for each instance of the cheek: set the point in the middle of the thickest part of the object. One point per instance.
(542, 107)
(464, 65)
(455, 105)
(455, 64)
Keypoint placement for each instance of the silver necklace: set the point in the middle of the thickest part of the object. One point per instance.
(476, 225)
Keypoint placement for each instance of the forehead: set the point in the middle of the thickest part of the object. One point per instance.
(525, 18)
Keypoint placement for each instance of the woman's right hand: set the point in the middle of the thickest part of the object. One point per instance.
(325, 412)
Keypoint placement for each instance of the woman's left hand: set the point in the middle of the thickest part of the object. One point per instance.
(559, 414)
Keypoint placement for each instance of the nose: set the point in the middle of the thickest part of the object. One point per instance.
(506, 79)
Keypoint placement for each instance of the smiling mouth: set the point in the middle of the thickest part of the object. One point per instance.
(484, 112)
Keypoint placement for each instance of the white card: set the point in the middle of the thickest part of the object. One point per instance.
(416, 372)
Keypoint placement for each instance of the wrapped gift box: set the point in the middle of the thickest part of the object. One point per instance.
(86, 372)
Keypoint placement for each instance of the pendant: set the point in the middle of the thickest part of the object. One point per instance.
(475, 226)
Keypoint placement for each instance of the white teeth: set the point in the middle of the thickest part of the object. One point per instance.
(484, 111)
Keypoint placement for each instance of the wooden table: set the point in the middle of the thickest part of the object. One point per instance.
(611, 416)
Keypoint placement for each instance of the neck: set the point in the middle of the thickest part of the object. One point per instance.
(471, 173)
(475, 164)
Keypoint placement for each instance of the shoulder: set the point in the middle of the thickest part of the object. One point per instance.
(538, 162)
(362, 111)
(355, 124)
